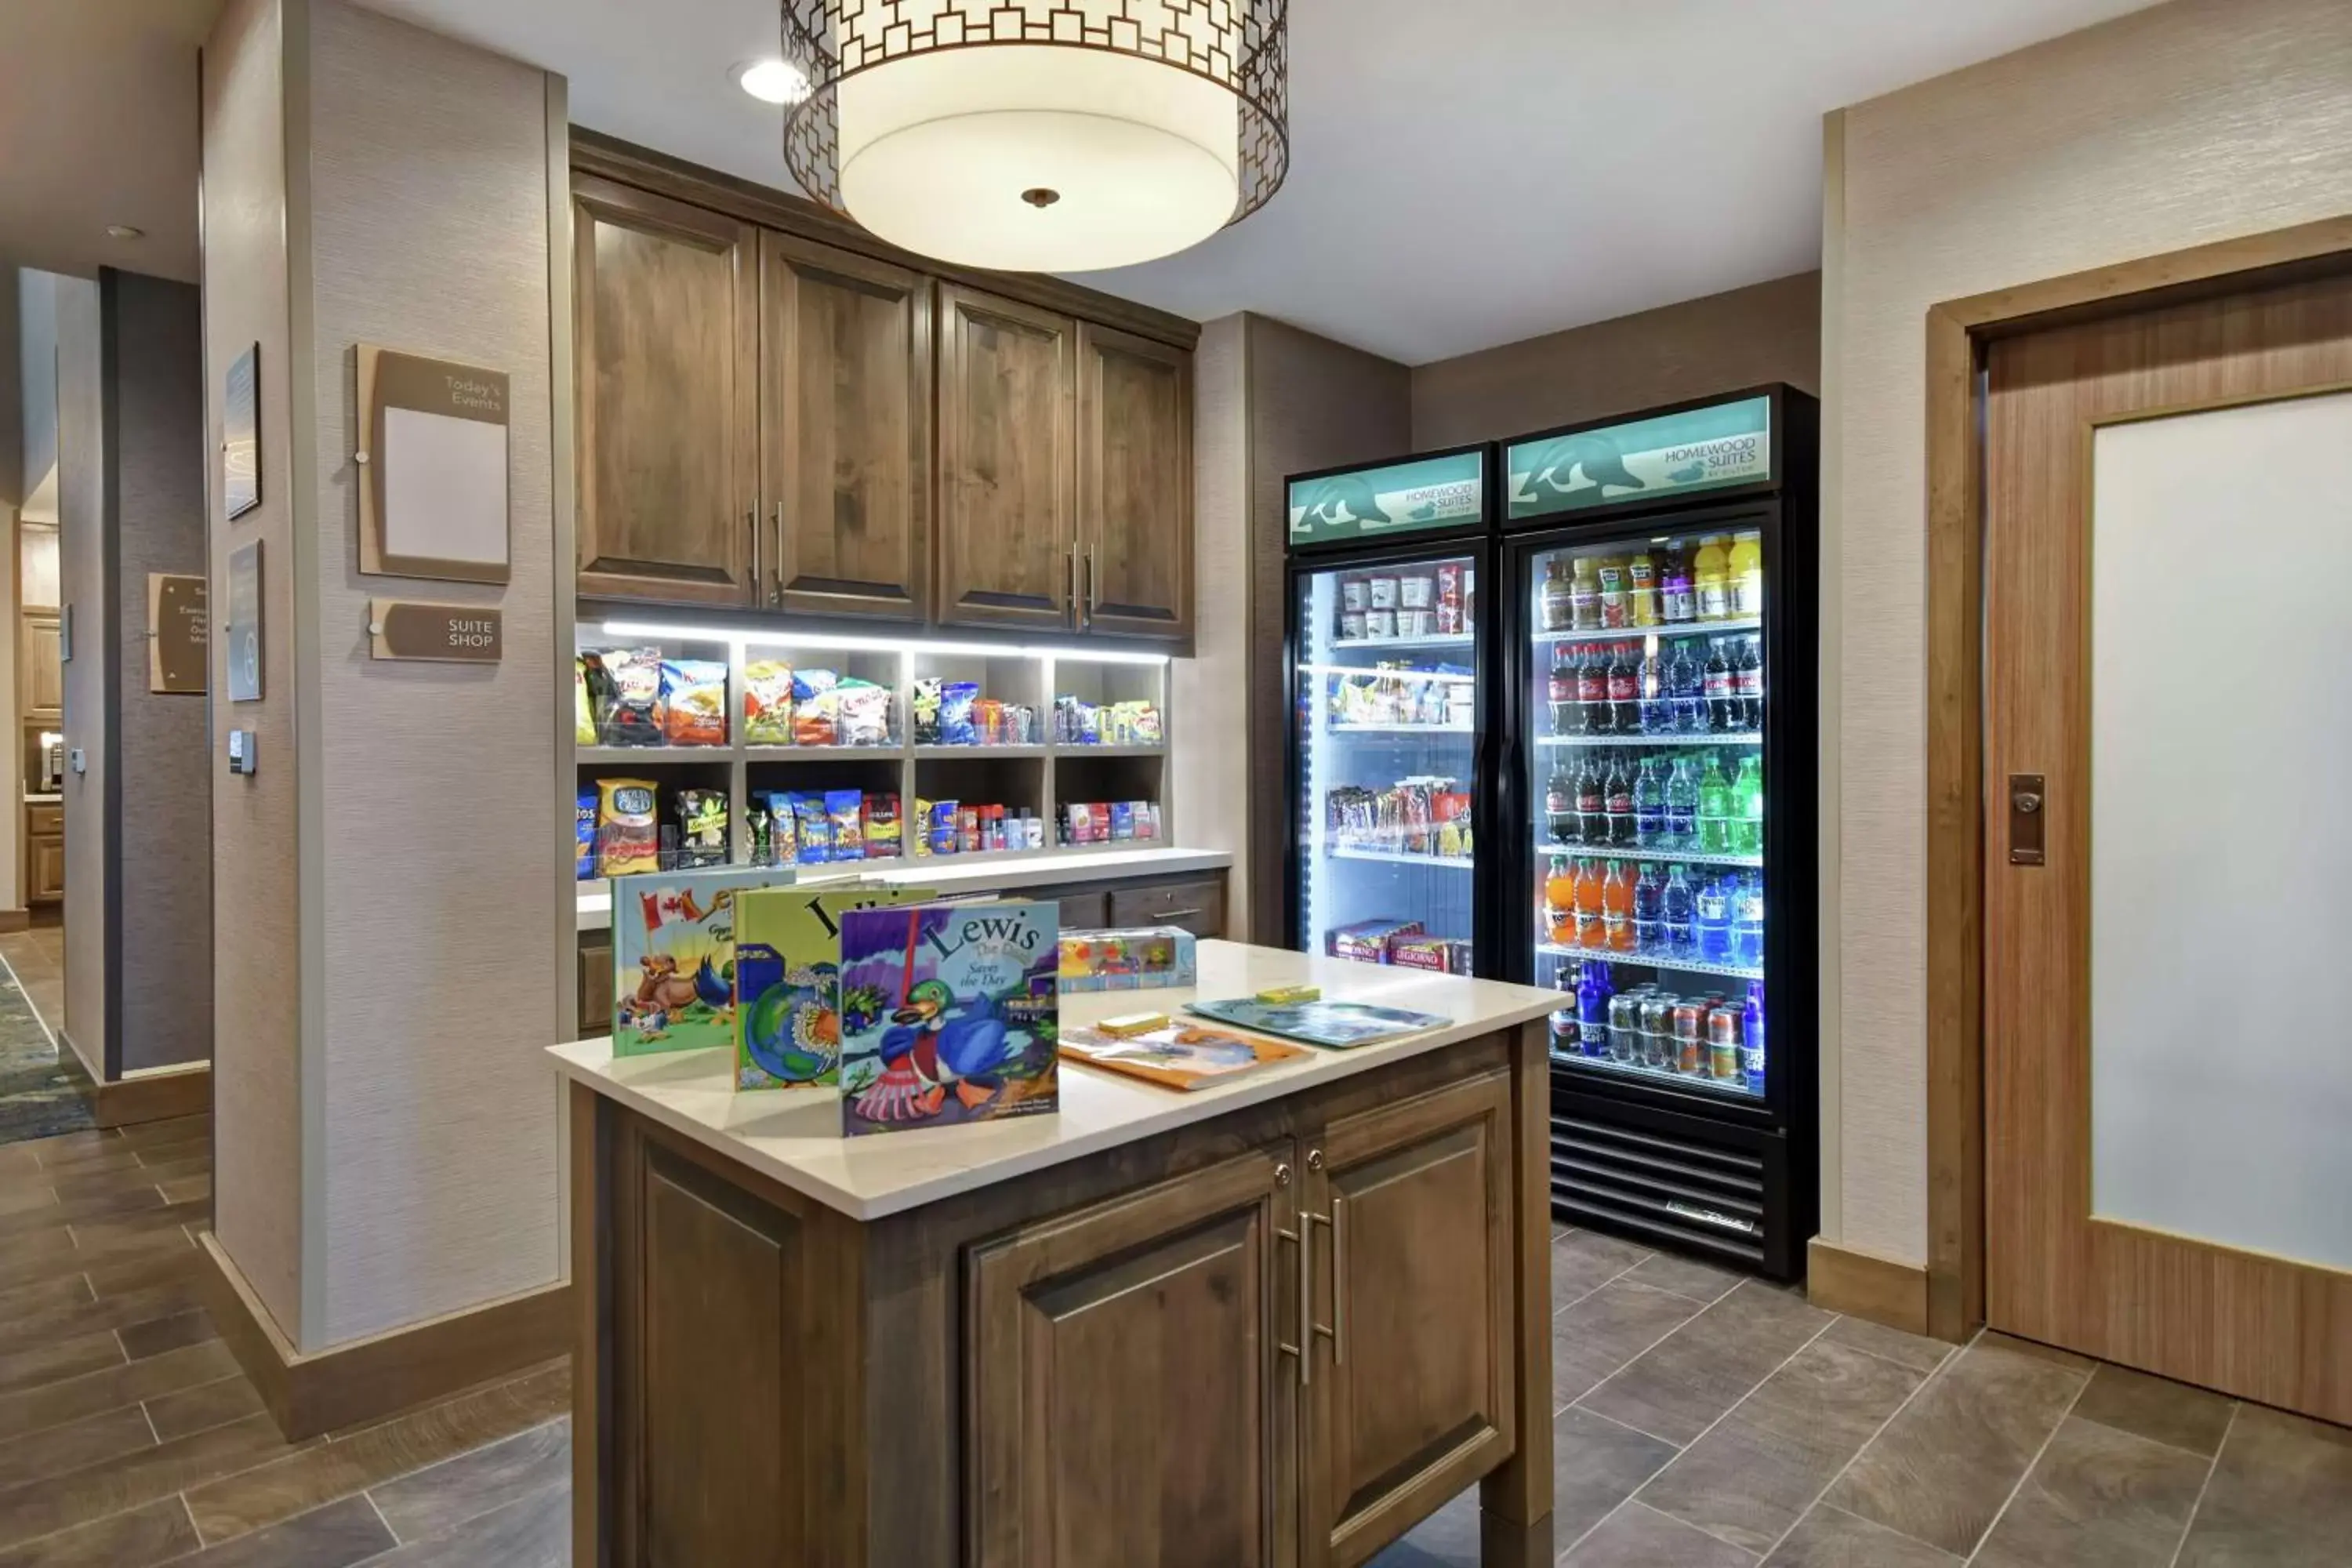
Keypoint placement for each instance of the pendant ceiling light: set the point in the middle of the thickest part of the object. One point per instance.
(1040, 136)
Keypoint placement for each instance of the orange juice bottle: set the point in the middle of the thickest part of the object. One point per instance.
(1746, 561)
(1617, 908)
(1559, 901)
(1642, 576)
(1591, 913)
(1711, 577)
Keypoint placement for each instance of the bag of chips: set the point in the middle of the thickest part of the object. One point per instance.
(927, 710)
(694, 703)
(701, 826)
(583, 832)
(768, 702)
(816, 707)
(864, 717)
(584, 710)
(814, 828)
(627, 838)
(783, 829)
(919, 838)
(956, 700)
(630, 717)
(844, 815)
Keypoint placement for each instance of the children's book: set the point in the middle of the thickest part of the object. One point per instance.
(1177, 1056)
(788, 980)
(674, 957)
(950, 1013)
(1333, 1025)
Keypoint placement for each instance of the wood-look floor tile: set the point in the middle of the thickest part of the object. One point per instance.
(1754, 1473)
(1702, 1282)
(131, 1227)
(188, 1147)
(153, 1533)
(1584, 1260)
(96, 1173)
(444, 1495)
(1597, 1464)
(39, 1508)
(170, 1172)
(1709, 1365)
(187, 1190)
(119, 1384)
(60, 1256)
(2280, 1497)
(65, 1145)
(1637, 1537)
(15, 1200)
(2097, 1498)
(1942, 1469)
(2156, 1408)
(1832, 1538)
(377, 1455)
(342, 1533)
(1916, 1351)
(207, 1404)
(190, 1327)
(37, 1364)
(171, 1129)
(92, 1440)
(532, 1532)
(1609, 1328)
(142, 1305)
(43, 1296)
(145, 1268)
(39, 1221)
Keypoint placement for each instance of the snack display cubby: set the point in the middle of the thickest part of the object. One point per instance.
(1014, 739)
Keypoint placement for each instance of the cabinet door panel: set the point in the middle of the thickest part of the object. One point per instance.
(1135, 485)
(1417, 1201)
(664, 344)
(1007, 531)
(45, 867)
(845, 356)
(1126, 1398)
(41, 681)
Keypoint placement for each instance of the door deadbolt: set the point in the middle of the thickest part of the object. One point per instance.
(2025, 819)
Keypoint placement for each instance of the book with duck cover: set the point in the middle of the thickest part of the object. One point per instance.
(674, 957)
(1334, 1026)
(1176, 1056)
(951, 1014)
(787, 980)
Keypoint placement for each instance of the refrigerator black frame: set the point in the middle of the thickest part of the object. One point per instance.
(1480, 546)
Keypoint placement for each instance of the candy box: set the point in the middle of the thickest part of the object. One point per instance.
(1431, 953)
(1366, 942)
(1140, 958)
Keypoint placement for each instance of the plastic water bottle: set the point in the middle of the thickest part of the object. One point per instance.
(1680, 912)
(1649, 805)
(1714, 920)
(1751, 1040)
(1748, 923)
(1686, 681)
(1657, 703)
(1681, 805)
(1649, 909)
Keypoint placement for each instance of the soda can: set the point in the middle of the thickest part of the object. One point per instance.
(1723, 1045)
(1624, 1028)
(1690, 1030)
(1658, 1032)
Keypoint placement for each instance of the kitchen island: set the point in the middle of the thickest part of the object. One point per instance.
(1275, 1322)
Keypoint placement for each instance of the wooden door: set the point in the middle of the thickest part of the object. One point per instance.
(1127, 1396)
(2166, 848)
(1410, 1388)
(1008, 536)
(41, 683)
(1135, 485)
(664, 342)
(845, 459)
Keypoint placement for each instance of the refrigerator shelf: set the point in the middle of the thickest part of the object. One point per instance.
(1662, 629)
(1655, 852)
(1737, 1089)
(1439, 639)
(1744, 738)
(1398, 857)
(1661, 962)
(1463, 731)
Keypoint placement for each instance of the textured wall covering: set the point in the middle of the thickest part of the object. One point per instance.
(1768, 332)
(257, 1194)
(81, 586)
(429, 199)
(2177, 126)
(1209, 792)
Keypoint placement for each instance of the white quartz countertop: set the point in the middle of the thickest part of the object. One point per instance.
(794, 1135)
(953, 874)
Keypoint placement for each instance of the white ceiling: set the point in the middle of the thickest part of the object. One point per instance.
(98, 126)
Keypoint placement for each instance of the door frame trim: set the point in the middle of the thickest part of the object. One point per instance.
(1957, 332)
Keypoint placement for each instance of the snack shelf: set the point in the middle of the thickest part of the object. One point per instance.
(812, 753)
(1653, 852)
(1399, 857)
(929, 752)
(1741, 738)
(654, 753)
(1068, 749)
(1662, 629)
(1676, 965)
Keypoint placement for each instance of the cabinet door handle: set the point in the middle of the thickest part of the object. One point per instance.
(1094, 596)
(1338, 1281)
(1313, 1328)
(776, 577)
(1306, 1292)
(759, 576)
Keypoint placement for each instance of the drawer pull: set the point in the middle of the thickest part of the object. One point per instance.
(1191, 914)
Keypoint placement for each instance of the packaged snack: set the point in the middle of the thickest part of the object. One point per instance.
(693, 710)
(1080, 817)
(918, 834)
(756, 828)
(988, 721)
(940, 826)
(1122, 820)
(584, 710)
(881, 828)
(1366, 942)
(768, 702)
(967, 829)
(864, 718)
(808, 683)
(627, 839)
(1421, 951)
(631, 713)
(927, 710)
(783, 830)
(583, 832)
(701, 817)
(844, 815)
(814, 828)
(956, 699)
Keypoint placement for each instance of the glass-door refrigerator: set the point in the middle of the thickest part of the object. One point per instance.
(1391, 568)
(1658, 582)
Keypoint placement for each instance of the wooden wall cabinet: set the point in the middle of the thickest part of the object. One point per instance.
(1008, 519)
(41, 680)
(45, 853)
(1135, 486)
(664, 342)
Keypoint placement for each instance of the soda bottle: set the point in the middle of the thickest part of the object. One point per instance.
(1584, 596)
(1593, 691)
(1657, 707)
(1715, 809)
(1592, 992)
(1561, 689)
(1679, 602)
(1714, 920)
(1552, 604)
(1642, 590)
(1559, 806)
(1682, 804)
(1748, 682)
(1591, 917)
(1678, 911)
(1592, 802)
(1748, 808)
(1748, 923)
(1722, 690)
(1559, 902)
(1563, 1023)
(1686, 678)
(1619, 800)
(1649, 909)
(1751, 1039)
(1625, 687)
(1650, 805)
(1617, 908)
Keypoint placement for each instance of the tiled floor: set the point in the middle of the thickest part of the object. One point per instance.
(1702, 1421)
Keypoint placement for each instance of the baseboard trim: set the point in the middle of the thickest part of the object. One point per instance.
(1865, 1285)
(153, 1097)
(15, 920)
(369, 1379)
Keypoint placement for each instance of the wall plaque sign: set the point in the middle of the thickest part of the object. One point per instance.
(452, 634)
(434, 500)
(244, 628)
(177, 643)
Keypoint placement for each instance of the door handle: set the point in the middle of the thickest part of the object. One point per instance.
(759, 577)
(1094, 597)
(1076, 611)
(2027, 816)
(776, 576)
(1306, 1300)
(1338, 1281)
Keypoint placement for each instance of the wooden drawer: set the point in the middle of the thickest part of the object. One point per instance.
(40, 819)
(1198, 906)
(1088, 911)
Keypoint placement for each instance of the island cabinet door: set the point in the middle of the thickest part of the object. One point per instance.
(1132, 1393)
(1410, 1393)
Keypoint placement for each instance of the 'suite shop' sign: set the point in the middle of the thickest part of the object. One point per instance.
(452, 634)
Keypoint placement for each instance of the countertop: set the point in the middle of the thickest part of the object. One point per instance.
(794, 1135)
(1007, 871)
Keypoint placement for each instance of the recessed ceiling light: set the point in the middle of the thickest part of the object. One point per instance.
(773, 81)
(125, 231)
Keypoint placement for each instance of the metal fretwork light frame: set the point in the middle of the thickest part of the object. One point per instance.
(1239, 48)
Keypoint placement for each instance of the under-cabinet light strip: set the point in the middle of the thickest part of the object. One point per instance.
(768, 637)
